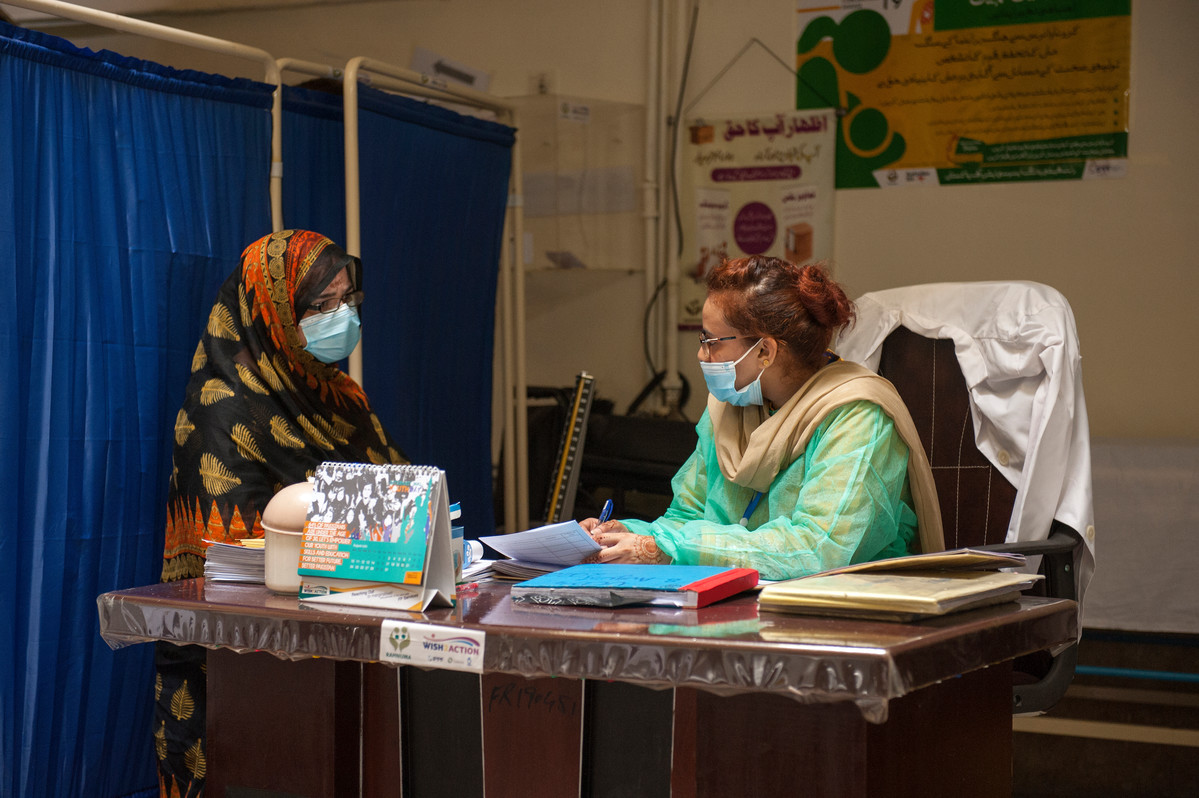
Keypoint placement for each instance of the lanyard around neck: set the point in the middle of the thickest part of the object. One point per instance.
(749, 510)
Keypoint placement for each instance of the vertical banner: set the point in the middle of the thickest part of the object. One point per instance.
(969, 91)
(754, 184)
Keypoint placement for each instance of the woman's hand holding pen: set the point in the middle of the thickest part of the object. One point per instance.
(620, 545)
(592, 526)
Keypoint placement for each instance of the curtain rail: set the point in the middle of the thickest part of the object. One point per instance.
(512, 296)
(175, 36)
(307, 68)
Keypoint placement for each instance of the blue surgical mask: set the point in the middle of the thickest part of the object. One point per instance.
(722, 380)
(332, 336)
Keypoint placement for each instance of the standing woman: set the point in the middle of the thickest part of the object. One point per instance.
(266, 404)
(804, 461)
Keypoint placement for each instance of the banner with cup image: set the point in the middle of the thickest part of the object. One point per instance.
(753, 184)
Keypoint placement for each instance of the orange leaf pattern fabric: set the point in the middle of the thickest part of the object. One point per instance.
(260, 412)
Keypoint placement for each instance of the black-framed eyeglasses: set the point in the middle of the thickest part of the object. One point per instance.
(706, 343)
(353, 299)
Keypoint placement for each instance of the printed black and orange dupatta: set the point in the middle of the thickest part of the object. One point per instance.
(261, 413)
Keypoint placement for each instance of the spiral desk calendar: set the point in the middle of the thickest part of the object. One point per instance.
(377, 536)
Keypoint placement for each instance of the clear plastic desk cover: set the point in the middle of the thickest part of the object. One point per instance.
(729, 647)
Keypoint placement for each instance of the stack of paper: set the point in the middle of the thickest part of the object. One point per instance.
(236, 562)
(478, 571)
(904, 588)
(952, 560)
(894, 596)
(541, 550)
(517, 569)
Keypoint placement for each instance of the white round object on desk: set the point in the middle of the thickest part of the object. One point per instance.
(283, 525)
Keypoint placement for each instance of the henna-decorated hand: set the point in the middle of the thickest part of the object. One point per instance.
(622, 546)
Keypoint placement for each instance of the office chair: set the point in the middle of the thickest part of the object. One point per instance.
(1017, 340)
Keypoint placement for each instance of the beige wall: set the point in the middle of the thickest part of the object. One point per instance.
(1117, 249)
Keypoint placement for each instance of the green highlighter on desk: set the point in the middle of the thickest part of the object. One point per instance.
(605, 585)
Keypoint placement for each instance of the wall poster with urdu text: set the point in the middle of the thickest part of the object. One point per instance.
(752, 184)
(969, 91)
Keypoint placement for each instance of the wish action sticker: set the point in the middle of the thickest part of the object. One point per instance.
(431, 646)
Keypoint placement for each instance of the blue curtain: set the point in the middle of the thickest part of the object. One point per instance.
(314, 174)
(434, 191)
(127, 191)
(434, 188)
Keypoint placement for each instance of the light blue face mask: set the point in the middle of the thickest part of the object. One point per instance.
(332, 336)
(722, 381)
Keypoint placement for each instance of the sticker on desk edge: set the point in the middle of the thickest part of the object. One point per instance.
(425, 645)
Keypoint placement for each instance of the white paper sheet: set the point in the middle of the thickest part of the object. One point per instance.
(566, 543)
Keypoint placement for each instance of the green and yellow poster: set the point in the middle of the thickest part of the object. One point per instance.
(968, 91)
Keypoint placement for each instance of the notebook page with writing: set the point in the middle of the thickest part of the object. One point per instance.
(565, 543)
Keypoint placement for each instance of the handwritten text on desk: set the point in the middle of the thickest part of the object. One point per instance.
(521, 694)
(405, 643)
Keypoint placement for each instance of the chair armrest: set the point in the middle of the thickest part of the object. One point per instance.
(1057, 564)
(1057, 558)
(1061, 540)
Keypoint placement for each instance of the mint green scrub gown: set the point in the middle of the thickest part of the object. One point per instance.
(845, 500)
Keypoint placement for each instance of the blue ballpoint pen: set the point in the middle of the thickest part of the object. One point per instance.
(606, 513)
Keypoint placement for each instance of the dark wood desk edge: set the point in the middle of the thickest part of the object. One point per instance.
(1048, 624)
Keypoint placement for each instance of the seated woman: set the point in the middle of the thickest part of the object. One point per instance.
(266, 404)
(804, 462)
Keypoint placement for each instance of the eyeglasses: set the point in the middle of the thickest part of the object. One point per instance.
(353, 299)
(705, 344)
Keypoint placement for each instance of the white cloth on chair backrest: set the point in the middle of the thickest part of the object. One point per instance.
(1017, 346)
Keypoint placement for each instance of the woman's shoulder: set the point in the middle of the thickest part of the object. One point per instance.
(859, 414)
(859, 406)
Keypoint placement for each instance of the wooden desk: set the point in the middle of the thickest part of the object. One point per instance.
(572, 701)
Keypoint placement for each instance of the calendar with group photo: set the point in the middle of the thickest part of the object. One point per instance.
(370, 533)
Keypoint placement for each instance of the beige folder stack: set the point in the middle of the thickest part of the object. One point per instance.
(904, 588)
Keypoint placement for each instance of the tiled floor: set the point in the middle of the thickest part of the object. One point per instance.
(1133, 732)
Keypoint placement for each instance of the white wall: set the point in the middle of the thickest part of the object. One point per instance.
(1118, 249)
